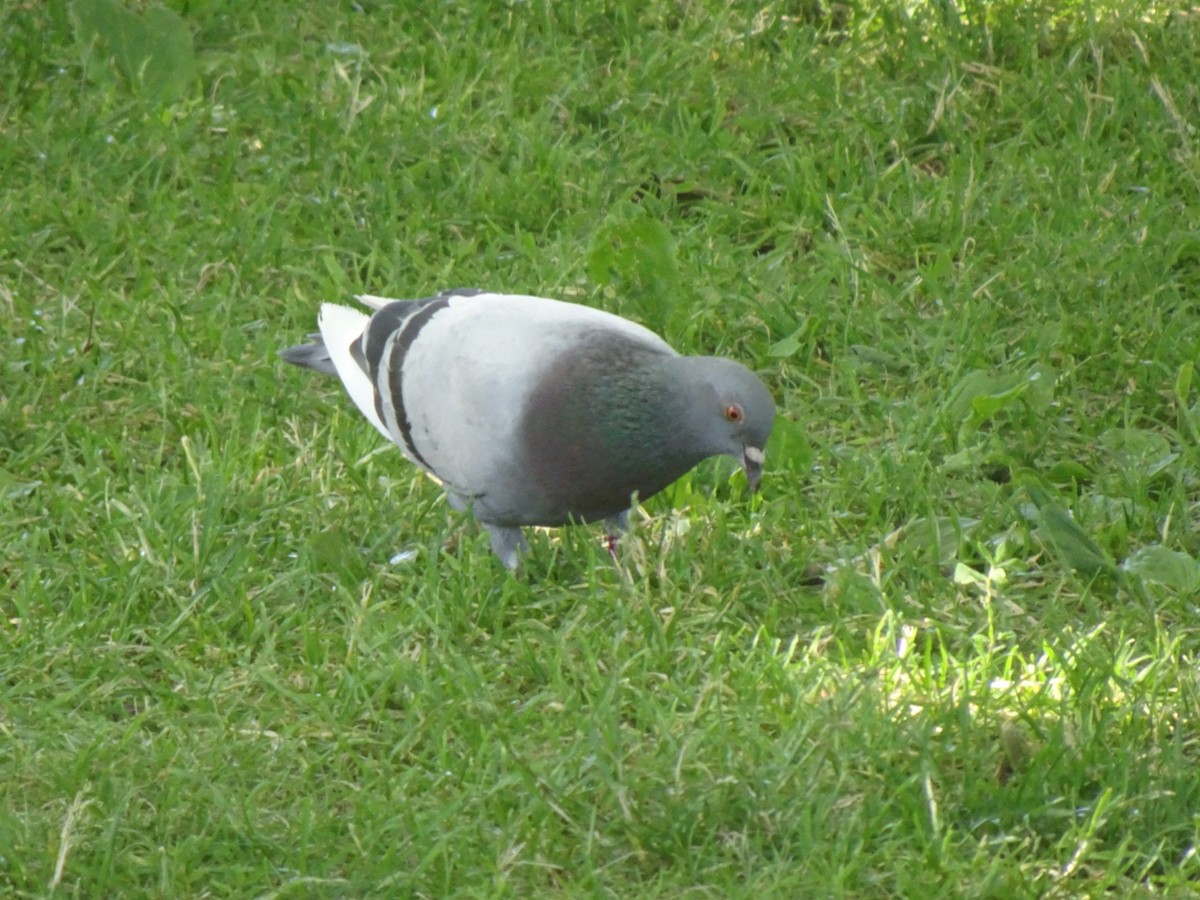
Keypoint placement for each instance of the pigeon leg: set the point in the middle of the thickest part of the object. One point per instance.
(507, 543)
(614, 527)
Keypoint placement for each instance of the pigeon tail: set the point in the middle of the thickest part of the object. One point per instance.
(313, 356)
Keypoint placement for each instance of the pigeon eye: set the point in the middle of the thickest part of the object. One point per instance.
(734, 413)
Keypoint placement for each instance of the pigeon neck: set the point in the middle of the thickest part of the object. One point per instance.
(649, 418)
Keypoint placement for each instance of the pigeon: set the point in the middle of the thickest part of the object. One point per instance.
(531, 411)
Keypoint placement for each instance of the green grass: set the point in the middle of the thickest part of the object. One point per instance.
(950, 651)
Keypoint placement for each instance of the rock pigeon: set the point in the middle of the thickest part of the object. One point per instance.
(532, 411)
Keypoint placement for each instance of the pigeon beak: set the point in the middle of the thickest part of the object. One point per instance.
(752, 464)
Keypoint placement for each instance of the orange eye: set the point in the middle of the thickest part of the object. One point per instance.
(733, 413)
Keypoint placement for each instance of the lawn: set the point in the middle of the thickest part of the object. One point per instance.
(952, 649)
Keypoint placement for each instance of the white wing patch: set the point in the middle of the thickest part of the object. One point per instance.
(370, 301)
(341, 327)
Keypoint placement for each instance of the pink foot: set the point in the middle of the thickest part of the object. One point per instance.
(610, 544)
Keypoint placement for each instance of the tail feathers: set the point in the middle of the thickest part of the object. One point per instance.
(332, 353)
(313, 356)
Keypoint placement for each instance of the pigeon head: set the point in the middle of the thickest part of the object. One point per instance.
(726, 411)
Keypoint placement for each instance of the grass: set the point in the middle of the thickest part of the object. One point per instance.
(952, 648)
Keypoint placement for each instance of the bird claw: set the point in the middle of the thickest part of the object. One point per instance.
(610, 544)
